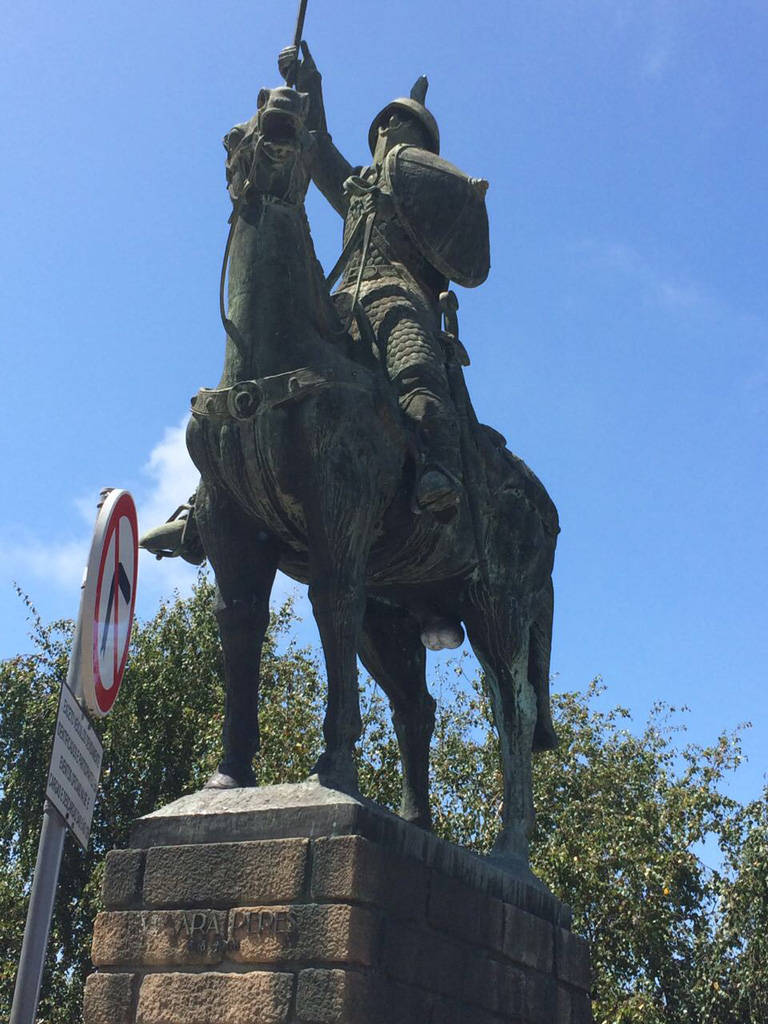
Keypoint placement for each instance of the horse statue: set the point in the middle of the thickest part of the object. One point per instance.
(308, 466)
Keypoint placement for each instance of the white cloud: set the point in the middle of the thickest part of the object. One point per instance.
(173, 475)
(60, 564)
(656, 283)
(682, 295)
(657, 59)
(652, 28)
(171, 478)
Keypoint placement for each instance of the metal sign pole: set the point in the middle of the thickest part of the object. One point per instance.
(41, 901)
(46, 877)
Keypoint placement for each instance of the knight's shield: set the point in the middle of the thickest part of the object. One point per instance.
(443, 210)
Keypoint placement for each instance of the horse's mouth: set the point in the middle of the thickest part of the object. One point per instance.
(279, 137)
(280, 130)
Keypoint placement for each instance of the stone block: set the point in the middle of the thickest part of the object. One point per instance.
(401, 950)
(351, 868)
(528, 940)
(441, 967)
(482, 983)
(513, 992)
(314, 932)
(368, 922)
(221, 874)
(466, 914)
(581, 1009)
(453, 907)
(339, 997)
(498, 988)
(572, 959)
(159, 938)
(110, 999)
(123, 878)
(406, 1004)
(541, 997)
(415, 956)
(214, 998)
(490, 925)
(563, 1005)
(447, 1012)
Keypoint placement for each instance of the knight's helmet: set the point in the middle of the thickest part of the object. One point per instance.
(414, 107)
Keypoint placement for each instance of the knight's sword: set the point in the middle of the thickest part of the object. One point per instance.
(297, 41)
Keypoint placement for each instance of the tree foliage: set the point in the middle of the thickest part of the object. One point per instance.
(624, 819)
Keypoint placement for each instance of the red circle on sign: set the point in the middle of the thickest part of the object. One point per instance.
(113, 602)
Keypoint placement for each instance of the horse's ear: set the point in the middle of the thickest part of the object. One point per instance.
(263, 97)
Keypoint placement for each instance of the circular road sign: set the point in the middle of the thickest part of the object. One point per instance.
(108, 601)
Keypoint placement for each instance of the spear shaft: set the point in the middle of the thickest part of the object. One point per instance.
(297, 40)
(300, 23)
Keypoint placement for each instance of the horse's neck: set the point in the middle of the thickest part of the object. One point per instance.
(273, 292)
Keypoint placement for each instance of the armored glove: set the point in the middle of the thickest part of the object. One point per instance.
(303, 72)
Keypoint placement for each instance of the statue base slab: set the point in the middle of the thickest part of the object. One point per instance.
(301, 905)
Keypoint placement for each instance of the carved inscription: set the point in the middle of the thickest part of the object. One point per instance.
(265, 922)
(202, 932)
(200, 929)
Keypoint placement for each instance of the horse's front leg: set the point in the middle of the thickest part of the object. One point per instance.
(340, 505)
(338, 602)
(245, 561)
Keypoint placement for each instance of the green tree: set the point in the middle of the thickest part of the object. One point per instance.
(160, 742)
(621, 823)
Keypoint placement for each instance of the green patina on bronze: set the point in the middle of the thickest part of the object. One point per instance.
(341, 446)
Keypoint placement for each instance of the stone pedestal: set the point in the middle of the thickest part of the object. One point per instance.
(299, 905)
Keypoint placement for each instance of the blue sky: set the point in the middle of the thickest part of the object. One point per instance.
(620, 343)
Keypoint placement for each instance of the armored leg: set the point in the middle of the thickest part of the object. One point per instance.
(439, 486)
(406, 333)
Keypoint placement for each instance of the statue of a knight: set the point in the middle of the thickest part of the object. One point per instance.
(412, 223)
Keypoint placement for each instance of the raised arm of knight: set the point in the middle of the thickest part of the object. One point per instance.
(329, 168)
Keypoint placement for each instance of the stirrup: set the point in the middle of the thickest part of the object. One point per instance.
(177, 537)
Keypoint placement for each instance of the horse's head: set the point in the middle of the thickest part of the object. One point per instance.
(265, 156)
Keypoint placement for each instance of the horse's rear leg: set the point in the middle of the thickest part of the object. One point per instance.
(501, 646)
(245, 562)
(392, 651)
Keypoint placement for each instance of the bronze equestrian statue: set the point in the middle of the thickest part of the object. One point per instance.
(341, 447)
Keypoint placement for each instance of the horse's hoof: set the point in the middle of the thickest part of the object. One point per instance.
(423, 821)
(336, 773)
(545, 737)
(221, 780)
(515, 864)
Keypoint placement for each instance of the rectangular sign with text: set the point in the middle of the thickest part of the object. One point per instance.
(73, 777)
